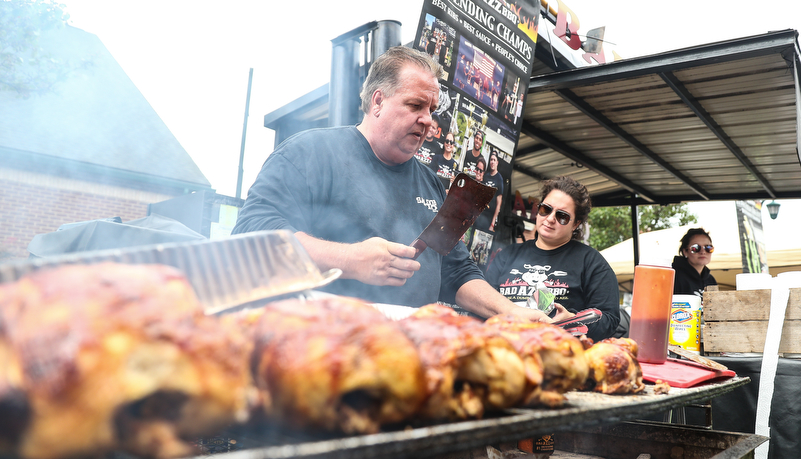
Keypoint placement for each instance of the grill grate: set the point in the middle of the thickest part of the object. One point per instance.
(583, 409)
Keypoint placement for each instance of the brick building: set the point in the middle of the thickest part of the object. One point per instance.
(90, 148)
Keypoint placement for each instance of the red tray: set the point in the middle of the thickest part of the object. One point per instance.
(682, 373)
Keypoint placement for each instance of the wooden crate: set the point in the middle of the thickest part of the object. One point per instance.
(737, 321)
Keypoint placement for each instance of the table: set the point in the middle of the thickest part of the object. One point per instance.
(736, 410)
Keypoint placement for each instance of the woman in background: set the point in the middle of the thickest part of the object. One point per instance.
(692, 275)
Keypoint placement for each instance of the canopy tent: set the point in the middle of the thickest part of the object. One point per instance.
(635, 131)
(726, 260)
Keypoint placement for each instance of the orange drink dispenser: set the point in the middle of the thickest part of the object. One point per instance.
(651, 303)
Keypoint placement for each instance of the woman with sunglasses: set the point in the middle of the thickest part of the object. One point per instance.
(555, 259)
(695, 252)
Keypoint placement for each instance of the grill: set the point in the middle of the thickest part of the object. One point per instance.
(246, 270)
(583, 409)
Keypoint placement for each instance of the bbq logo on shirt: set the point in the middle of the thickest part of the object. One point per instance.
(424, 155)
(519, 286)
(445, 171)
(493, 182)
(470, 170)
(430, 203)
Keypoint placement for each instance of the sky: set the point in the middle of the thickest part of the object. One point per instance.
(191, 59)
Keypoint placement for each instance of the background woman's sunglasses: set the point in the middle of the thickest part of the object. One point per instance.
(448, 141)
(695, 248)
(543, 210)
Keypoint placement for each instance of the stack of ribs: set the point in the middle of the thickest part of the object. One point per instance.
(469, 368)
(335, 364)
(105, 357)
(564, 366)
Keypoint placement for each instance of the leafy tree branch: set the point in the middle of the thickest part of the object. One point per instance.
(612, 225)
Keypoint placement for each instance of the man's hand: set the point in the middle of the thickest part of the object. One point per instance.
(561, 313)
(374, 261)
(377, 261)
(478, 297)
(534, 315)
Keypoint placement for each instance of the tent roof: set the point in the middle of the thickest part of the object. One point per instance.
(711, 122)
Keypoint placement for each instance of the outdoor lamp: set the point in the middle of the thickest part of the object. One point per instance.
(773, 209)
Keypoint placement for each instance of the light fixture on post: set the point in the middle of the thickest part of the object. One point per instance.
(773, 209)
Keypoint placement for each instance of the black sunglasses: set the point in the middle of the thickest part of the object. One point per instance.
(450, 141)
(543, 210)
(695, 248)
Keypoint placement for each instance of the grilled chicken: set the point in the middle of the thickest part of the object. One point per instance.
(562, 355)
(335, 364)
(113, 356)
(15, 410)
(613, 367)
(121, 357)
(469, 368)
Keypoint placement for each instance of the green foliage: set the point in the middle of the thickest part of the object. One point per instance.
(612, 225)
(24, 66)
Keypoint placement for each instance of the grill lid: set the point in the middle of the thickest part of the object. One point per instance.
(225, 273)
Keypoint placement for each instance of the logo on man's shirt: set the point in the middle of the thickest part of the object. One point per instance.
(423, 156)
(470, 169)
(445, 171)
(493, 182)
(430, 203)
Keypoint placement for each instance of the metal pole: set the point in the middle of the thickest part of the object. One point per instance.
(635, 233)
(343, 94)
(244, 134)
(386, 35)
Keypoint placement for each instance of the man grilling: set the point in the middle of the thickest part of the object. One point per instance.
(354, 199)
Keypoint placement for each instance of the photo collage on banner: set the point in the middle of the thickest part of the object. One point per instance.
(487, 52)
(752, 240)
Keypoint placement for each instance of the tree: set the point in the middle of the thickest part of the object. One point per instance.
(611, 225)
(25, 67)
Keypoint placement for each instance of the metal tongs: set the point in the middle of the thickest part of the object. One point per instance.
(577, 325)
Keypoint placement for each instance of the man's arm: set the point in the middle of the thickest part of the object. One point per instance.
(374, 261)
(478, 297)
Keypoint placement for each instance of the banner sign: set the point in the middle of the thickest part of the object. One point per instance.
(486, 48)
(752, 241)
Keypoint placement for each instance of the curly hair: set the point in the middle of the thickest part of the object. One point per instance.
(579, 194)
(685, 240)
